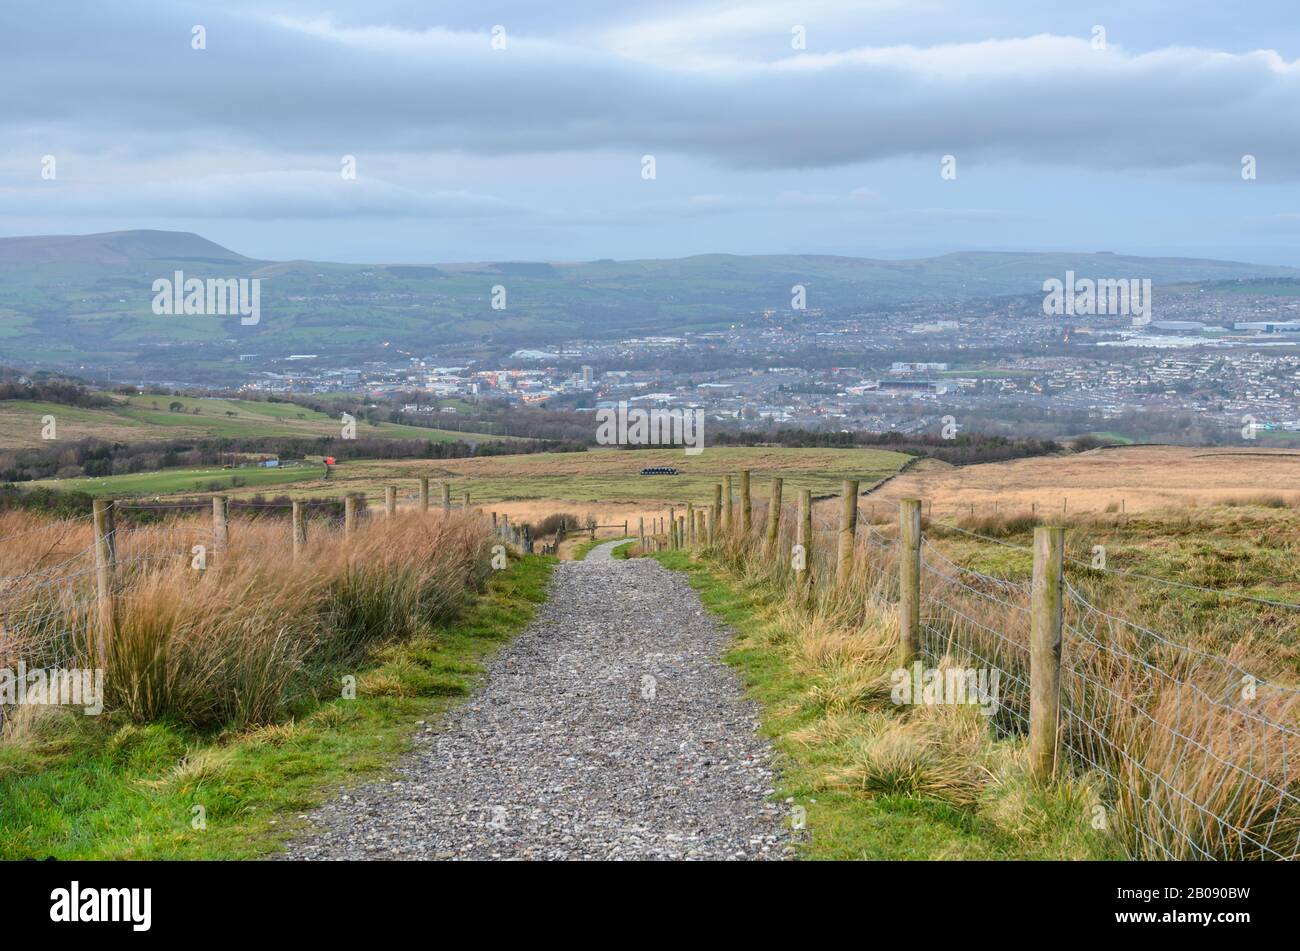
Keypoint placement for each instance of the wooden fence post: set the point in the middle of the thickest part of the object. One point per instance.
(465, 502)
(446, 496)
(773, 517)
(804, 537)
(700, 534)
(640, 531)
(690, 523)
(746, 508)
(299, 530)
(1045, 649)
(672, 528)
(220, 526)
(424, 494)
(716, 519)
(390, 500)
(848, 529)
(726, 504)
(105, 568)
(909, 581)
(349, 514)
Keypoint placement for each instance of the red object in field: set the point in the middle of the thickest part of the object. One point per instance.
(329, 460)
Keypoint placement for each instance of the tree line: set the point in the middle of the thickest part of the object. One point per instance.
(963, 449)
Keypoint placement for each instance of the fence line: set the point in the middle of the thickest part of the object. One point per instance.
(1195, 755)
(63, 590)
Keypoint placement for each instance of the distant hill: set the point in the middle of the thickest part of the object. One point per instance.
(82, 303)
(113, 247)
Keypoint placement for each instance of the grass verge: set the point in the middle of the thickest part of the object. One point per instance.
(877, 781)
(82, 787)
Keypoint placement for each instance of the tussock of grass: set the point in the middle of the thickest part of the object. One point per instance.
(1174, 759)
(916, 759)
(73, 786)
(878, 781)
(239, 644)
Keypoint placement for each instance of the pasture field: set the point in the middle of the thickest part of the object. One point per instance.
(1136, 478)
(146, 418)
(603, 483)
(186, 481)
(610, 476)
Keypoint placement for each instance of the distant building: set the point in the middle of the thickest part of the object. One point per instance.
(1269, 326)
(901, 367)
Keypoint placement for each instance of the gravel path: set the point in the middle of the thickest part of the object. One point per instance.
(609, 729)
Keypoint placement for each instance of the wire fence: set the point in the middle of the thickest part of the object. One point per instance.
(49, 608)
(1192, 754)
(1198, 757)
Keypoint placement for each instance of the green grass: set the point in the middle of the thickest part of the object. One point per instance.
(169, 481)
(1111, 435)
(581, 550)
(624, 551)
(851, 825)
(100, 788)
(147, 418)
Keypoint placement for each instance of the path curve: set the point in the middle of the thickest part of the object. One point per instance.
(609, 729)
(605, 550)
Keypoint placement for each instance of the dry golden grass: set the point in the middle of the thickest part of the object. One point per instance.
(228, 646)
(1165, 741)
(1142, 477)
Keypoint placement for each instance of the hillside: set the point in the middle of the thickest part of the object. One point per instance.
(85, 301)
(138, 419)
(114, 247)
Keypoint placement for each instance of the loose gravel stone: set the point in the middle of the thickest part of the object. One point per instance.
(609, 729)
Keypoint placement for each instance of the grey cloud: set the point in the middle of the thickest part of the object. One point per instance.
(260, 195)
(300, 85)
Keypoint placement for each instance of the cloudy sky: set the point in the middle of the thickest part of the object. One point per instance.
(468, 151)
